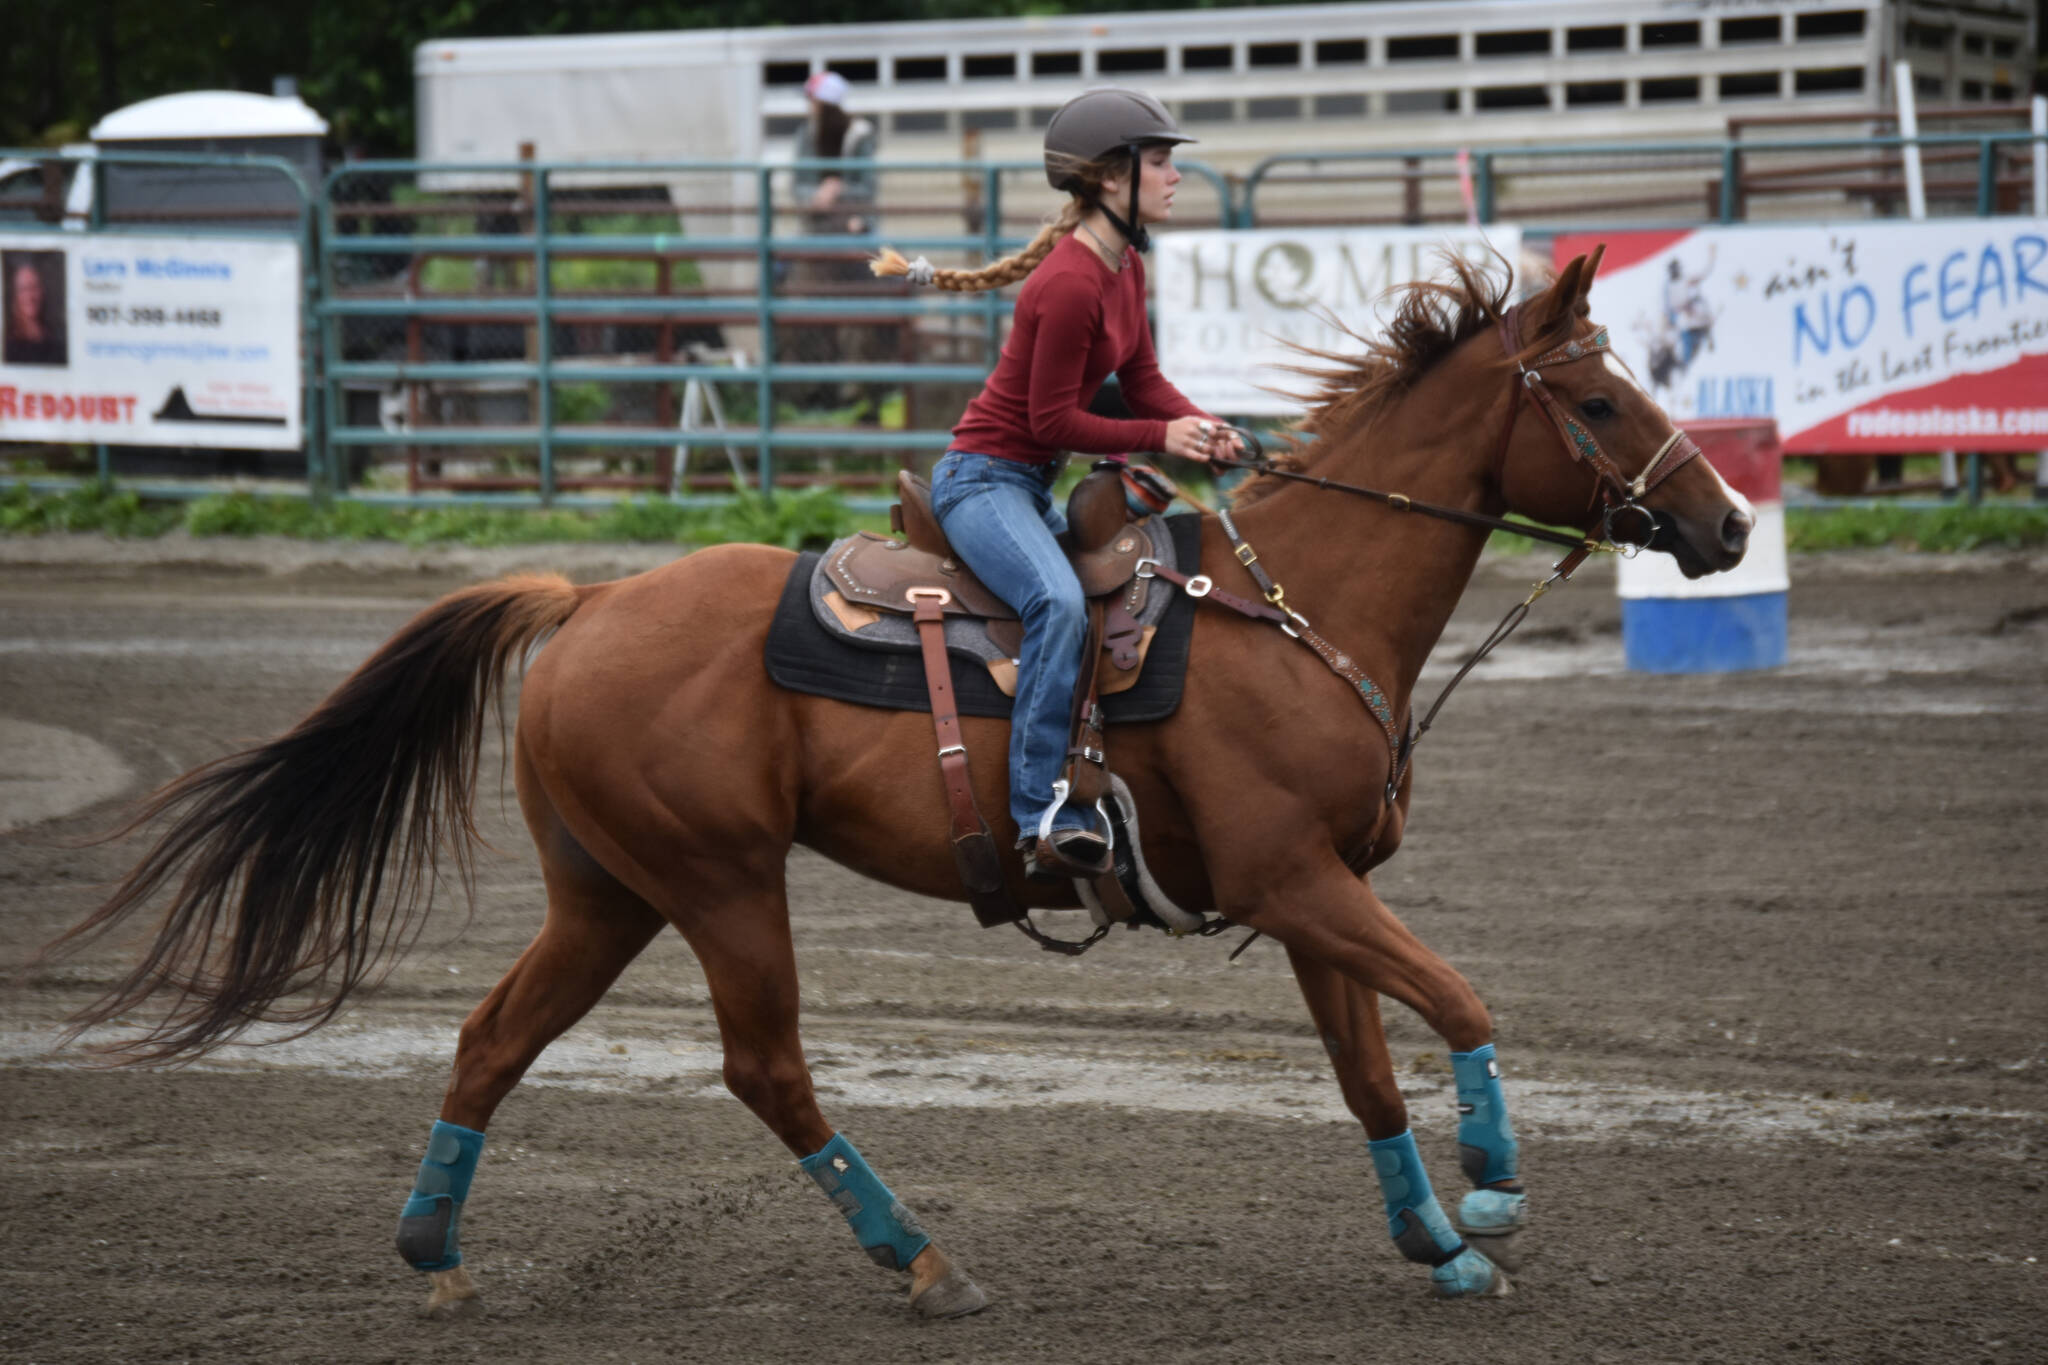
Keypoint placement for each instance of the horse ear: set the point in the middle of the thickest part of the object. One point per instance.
(1568, 294)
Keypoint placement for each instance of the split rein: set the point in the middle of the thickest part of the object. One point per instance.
(1620, 495)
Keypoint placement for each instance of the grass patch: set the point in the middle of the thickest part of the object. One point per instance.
(1939, 530)
(806, 519)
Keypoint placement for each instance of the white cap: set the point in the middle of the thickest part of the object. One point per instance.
(827, 87)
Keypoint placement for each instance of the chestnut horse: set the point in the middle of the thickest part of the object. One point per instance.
(664, 778)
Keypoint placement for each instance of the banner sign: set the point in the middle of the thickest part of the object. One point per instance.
(1856, 337)
(156, 341)
(1229, 303)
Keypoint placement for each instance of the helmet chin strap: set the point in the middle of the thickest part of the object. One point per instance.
(1134, 231)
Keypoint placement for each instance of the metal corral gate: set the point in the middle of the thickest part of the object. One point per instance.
(521, 335)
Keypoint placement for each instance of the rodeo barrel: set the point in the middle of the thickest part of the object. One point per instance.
(1725, 621)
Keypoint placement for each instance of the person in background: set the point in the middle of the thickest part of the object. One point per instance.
(836, 202)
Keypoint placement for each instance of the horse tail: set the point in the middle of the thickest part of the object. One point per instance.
(307, 866)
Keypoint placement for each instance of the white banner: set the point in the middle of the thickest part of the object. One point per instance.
(159, 341)
(1854, 336)
(1229, 303)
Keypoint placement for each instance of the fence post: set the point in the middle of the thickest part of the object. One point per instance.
(1987, 176)
(1483, 195)
(544, 341)
(96, 218)
(322, 481)
(1731, 167)
(764, 422)
(992, 250)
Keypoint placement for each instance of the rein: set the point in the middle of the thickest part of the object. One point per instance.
(1620, 495)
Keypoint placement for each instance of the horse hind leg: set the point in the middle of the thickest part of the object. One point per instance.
(1347, 1017)
(594, 928)
(742, 940)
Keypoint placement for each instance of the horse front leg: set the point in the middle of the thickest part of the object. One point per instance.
(1347, 947)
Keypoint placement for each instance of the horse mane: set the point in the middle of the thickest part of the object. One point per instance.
(1431, 318)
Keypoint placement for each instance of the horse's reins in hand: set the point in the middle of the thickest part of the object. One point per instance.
(1620, 495)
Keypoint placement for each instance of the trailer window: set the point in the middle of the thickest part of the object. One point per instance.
(992, 65)
(1055, 63)
(918, 121)
(1515, 43)
(1581, 93)
(1123, 60)
(1761, 29)
(1833, 80)
(1208, 111)
(1512, 97)
(1274, 54)
(1340, 106)
(920, 68)
(1427, 48)
(1832, 23)
(1677, 33)
(866, 69)
(1276, 107)
(1422, 102)
(988, 119)
(1207, 58)
(1746, 85)
(1671, 89)
(785, 73)
(1341, 52)
(1606, 38)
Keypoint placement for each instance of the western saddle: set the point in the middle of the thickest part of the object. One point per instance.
(918, 574)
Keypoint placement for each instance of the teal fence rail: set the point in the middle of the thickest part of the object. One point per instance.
(530, 333)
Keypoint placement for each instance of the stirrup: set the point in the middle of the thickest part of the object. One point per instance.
(1053, 858)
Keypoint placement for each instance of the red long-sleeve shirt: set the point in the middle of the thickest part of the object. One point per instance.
(1077, 321)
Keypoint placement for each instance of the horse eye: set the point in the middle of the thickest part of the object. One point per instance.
(1597, 408)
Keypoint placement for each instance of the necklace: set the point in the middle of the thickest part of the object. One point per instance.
(1118, 265)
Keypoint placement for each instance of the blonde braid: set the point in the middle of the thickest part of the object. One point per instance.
(1009, 270)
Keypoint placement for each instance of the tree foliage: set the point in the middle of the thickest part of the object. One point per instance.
(68, 63)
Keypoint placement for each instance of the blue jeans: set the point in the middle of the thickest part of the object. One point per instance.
(1000, 517)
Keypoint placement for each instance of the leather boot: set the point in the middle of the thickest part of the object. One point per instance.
(1068, 855)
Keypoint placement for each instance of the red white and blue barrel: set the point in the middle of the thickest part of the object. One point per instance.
(1725, 621)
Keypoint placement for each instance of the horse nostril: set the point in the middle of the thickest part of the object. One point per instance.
(1735, 530)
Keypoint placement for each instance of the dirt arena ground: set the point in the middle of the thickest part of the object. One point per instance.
(1765, 952)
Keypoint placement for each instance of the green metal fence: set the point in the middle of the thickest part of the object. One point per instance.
(532, 333)
(523, 308)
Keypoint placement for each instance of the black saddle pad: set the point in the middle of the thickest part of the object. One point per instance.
(804, 658)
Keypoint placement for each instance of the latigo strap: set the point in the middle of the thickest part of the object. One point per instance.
(974, 849)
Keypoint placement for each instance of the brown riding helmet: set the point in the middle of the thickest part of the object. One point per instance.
(1092, 126)
(1089, 127)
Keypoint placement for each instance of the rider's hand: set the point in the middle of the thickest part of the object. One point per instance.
(1192, 438)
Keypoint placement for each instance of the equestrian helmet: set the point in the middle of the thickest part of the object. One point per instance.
(1090, 126)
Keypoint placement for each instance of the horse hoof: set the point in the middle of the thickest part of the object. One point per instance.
(1492, 1222)
(949, 1295)
(452, 1294)
(1503, 1249)
(1470, 1275)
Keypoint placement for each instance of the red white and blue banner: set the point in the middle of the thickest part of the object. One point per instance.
(1855, 337)
(156, 341)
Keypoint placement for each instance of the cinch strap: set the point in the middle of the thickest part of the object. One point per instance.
(1486, 1140)
(1415, 1220)
(430, 1225)
(886, 1231)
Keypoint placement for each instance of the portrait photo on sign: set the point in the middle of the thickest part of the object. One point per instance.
(32, 321)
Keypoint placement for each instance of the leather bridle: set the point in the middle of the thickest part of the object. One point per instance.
(1621, 495)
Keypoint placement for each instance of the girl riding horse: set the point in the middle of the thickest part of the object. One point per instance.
(1080, 317)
